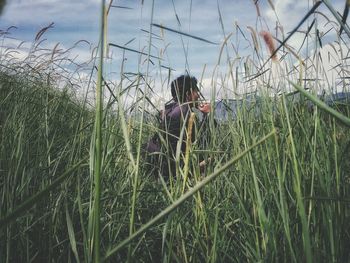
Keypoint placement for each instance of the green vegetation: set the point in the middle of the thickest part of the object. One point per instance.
(74, 185)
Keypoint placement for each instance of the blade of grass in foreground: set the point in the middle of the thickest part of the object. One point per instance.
(322, 105)
(133, 50)
(184, 197)
(97, 153)
(184, 34)
(298, 190)
(312, 10)
(345, 15)
(135, 178)
(22, 208)
(344, 26)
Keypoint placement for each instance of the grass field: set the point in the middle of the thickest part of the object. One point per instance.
(75, 187)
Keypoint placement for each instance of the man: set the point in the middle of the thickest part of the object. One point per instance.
(175, 122)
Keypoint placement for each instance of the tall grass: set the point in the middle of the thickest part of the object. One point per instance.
(96, 155)
(76, 187)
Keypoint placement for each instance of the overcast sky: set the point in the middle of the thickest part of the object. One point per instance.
(76, 20)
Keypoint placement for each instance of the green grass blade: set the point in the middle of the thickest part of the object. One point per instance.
(184, 34)
(22, 208)
(133, 50)
(344, 26)
(322, 105)
(184, 197)
(345, 15)
(298, 189)
(71, 235)
(122, 7)
(97, 153)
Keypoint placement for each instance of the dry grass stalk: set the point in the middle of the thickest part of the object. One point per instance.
(255, 39)
(257, 8)
(271, 4)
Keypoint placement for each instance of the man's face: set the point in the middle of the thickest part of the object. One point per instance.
(193, 98)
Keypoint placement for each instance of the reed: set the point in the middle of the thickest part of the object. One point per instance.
(96, 156)
(75, 185)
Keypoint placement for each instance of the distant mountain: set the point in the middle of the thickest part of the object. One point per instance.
(227, 108)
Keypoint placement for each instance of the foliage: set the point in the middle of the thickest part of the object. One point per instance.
(276, 189)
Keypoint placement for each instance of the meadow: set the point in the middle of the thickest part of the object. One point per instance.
(75, 186)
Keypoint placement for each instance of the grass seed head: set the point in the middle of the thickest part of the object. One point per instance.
(270, 43)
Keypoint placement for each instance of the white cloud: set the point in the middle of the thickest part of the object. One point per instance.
(288, 13)
(41, 12)
(78, 19)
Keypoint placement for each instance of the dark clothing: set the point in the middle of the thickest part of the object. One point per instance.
(174, 123)
(163, 145)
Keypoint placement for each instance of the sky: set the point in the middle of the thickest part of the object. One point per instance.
(129, 25)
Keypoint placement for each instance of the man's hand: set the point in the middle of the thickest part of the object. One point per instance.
(204, 107)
